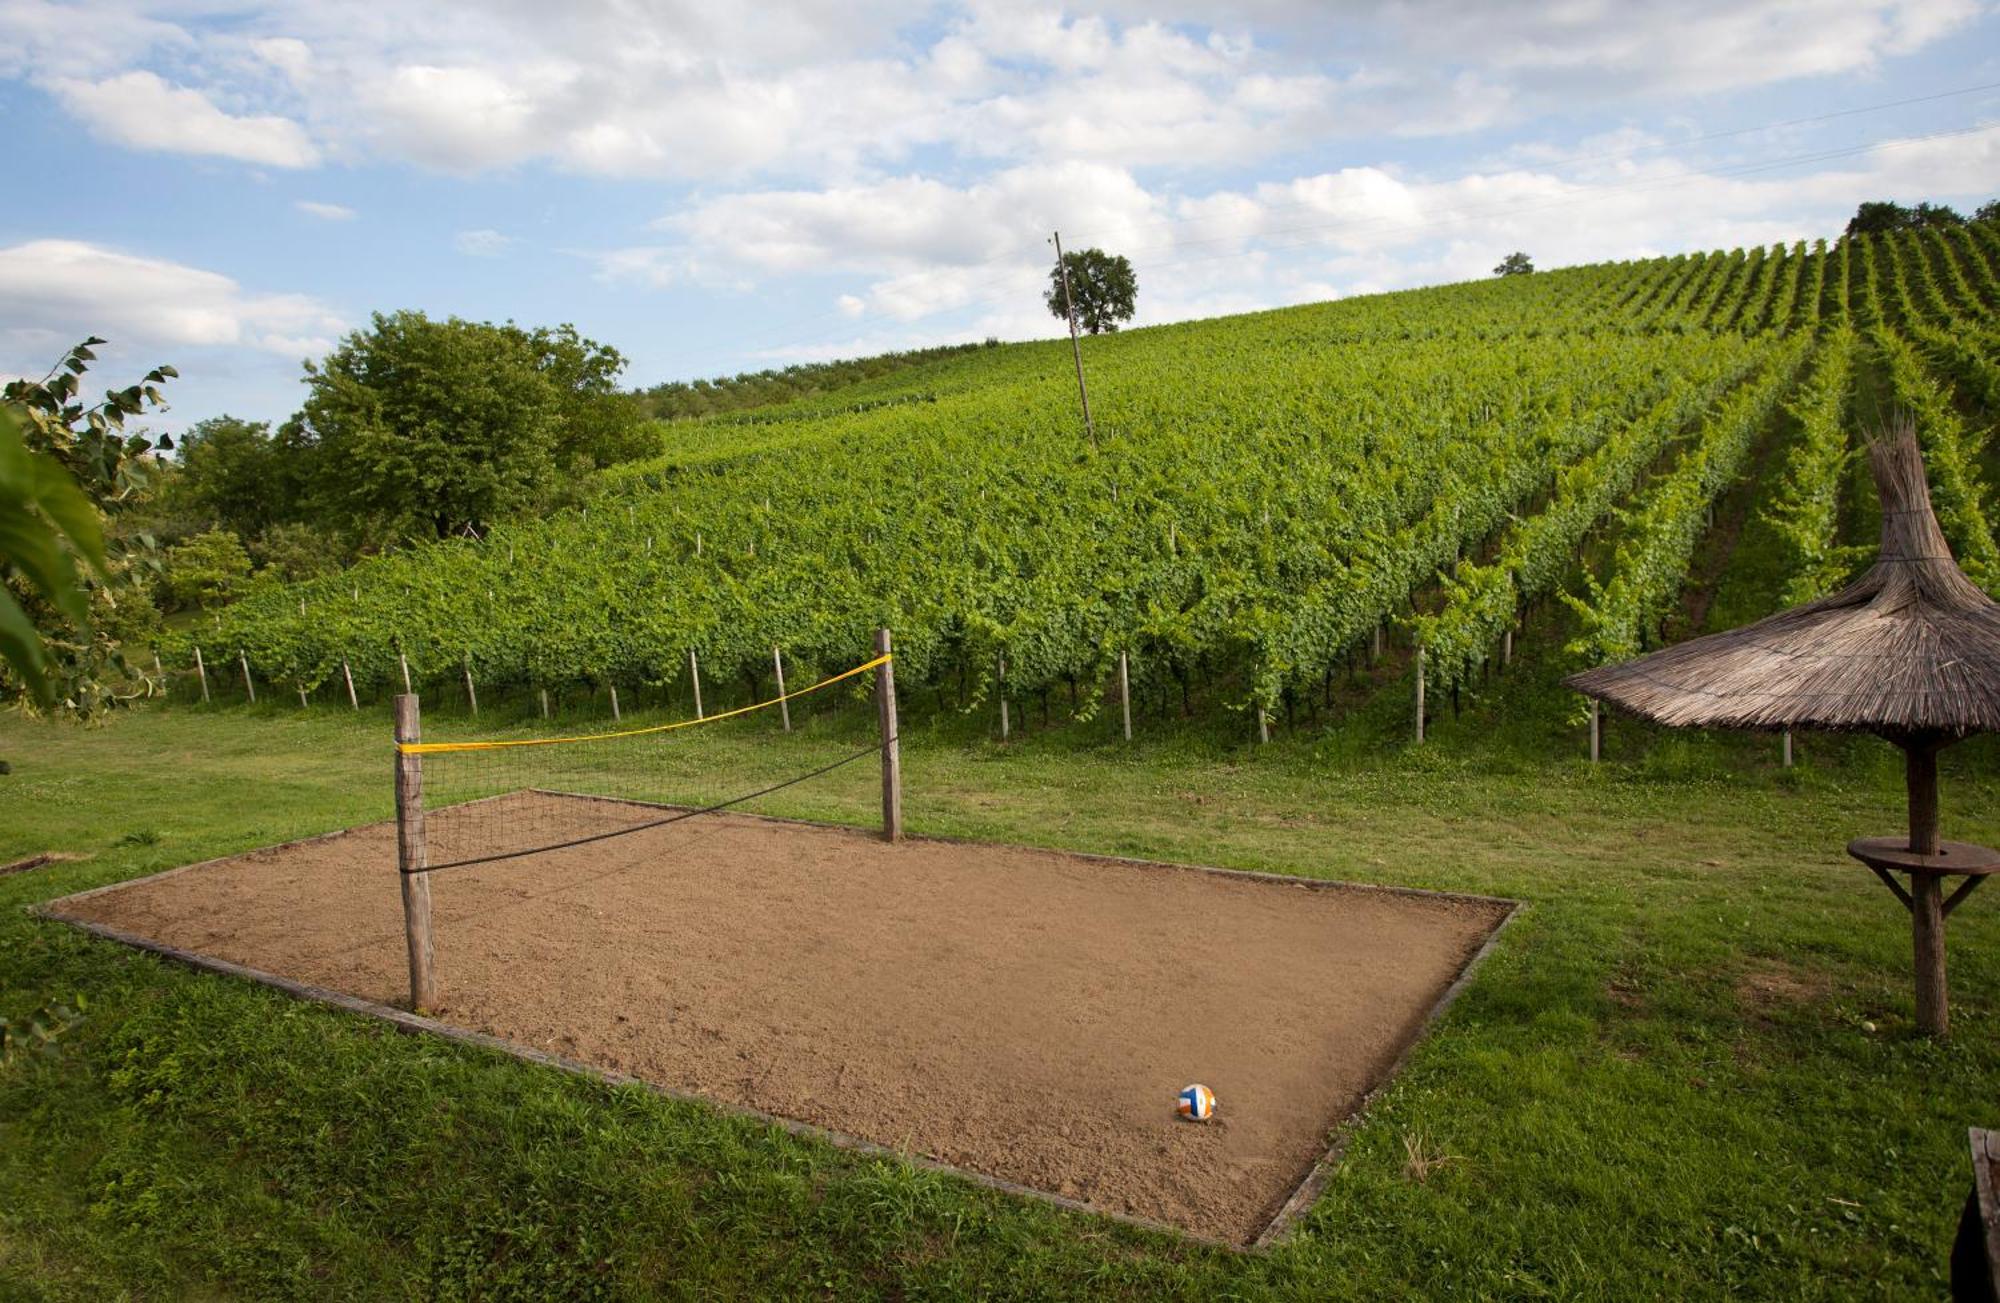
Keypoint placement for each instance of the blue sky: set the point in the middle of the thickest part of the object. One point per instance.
(712, 187)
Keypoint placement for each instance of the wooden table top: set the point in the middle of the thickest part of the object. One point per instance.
(1894, 853)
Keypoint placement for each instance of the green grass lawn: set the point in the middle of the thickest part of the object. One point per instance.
(1687, 1071)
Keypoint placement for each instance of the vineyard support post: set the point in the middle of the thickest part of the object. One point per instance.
(1075, 344)
(1125, 692)
(778, 668)
(1003, 699)
(1596, 731)
(892, 758)
(249, 688)
(1263, 724)
(616, 718)
(302, 696)
(201, 672)
(1788, 748)
(471, 696)
(545, 703)
(413, 856)
(347, 675)
(1420, 693)
(694, 676)
(403, 662)
(1506, 649)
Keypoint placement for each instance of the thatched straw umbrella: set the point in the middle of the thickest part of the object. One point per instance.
(1910, 651)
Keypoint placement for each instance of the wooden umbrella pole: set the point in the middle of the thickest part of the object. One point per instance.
(1927, 889)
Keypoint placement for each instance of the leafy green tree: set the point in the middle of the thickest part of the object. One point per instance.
(1882, 215)
(1514, 264)
(1987, 212)
(1101, 286)
(207, 570)
(443, 427)
(292, 551)
(237, 475)
(431, 427)
(599, 424)
(81, 618)
(47, 526)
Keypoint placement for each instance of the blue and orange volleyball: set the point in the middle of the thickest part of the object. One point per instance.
(1196, 1103)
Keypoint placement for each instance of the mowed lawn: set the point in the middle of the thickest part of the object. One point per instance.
(1687, 1071)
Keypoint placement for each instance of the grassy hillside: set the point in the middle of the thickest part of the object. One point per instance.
(1267, 497)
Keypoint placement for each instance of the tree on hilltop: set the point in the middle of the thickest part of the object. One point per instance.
(1101, 285)
(1879, 216)
(1514, 264)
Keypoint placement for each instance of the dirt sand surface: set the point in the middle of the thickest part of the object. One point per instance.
(1022, 1013)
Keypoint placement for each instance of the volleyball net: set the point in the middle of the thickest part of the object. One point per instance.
(561, 803)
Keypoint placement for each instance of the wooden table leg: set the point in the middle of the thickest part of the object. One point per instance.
(1927, 913)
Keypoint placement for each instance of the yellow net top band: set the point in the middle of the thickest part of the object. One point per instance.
(441, 748)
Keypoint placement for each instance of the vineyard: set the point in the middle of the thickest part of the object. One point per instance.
(1269, 500)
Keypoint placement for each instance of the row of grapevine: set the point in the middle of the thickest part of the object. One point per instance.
(1951, 455)
(1651, 563)
(1482, 602)
(1806, 513)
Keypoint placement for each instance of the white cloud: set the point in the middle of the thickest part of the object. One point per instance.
(483, 243)
(717, 90)
(326, 212)
(141, 111)
(68, 289)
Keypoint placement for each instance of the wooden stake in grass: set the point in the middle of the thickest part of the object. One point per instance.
(404, 662)
(302, 696)
(616, 718)
(545, 703)
(1420, 690)
(1596, 731)
(347, 674)
(413, 856)
(1788, 748)
(1125, 693)
(694, 676)
(471, 696)
(249, 688)
(1004, 722)
(784, 707)
(1506, 649)
(201, 672)
(892, 758)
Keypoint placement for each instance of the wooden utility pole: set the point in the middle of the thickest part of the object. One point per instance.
(1075, 344)
(413, 856)
(892, 758)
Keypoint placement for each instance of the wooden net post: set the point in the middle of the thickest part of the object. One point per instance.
(413, 856)
(892, 759)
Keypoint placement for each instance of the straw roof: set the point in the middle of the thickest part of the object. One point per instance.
(1911, 647)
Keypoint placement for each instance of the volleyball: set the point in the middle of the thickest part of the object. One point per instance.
(1196, 1103)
